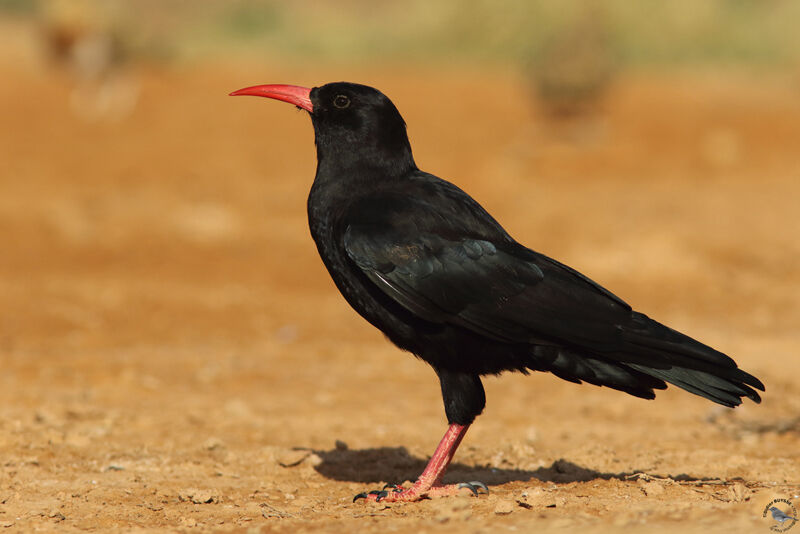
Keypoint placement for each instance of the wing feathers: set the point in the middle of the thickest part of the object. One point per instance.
(504, 292)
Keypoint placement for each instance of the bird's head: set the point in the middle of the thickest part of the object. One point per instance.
(353, 124)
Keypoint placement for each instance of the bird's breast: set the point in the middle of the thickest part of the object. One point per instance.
(327, 229)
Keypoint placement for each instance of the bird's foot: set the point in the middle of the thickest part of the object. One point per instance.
(419, 491)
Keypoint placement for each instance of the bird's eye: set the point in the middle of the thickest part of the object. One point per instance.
(341, 101)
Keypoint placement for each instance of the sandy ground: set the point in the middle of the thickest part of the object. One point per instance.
(174, 356)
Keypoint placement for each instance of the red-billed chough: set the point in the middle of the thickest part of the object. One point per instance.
(423, 262)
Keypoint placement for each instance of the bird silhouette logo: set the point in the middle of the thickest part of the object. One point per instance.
(784, 520)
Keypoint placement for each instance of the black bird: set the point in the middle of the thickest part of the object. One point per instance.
(423, 262)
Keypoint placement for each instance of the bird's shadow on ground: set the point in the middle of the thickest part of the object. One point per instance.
(395, 465)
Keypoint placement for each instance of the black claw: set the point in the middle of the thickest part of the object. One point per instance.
(394, 487)
(469, 487)
(474, 486)
(379, 494)
(481, 485)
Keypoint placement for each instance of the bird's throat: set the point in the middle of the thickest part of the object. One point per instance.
(342, 155)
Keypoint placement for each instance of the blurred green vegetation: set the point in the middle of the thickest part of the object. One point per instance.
(641, 32)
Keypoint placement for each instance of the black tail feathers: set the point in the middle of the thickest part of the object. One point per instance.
(664, 353)
(649, 356)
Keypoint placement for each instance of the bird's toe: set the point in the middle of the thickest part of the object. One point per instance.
(397, 488)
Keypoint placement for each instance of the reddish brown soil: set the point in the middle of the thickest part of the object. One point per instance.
(174, 355)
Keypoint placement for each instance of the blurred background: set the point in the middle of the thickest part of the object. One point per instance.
(159, 287)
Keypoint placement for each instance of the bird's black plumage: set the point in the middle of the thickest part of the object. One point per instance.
(427, 265)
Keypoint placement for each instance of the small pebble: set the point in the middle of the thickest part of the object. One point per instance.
(504, 507)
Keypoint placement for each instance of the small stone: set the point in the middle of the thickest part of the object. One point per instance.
(504, 507)
(293, 457)
(55, 514)
(652, 488)
(213, 444)
(199, 496)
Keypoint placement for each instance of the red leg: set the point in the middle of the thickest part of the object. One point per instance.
(429, 483)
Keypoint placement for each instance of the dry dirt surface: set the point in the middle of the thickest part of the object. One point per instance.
(175, 358)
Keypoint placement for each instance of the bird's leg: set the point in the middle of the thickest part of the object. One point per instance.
(429, 483)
